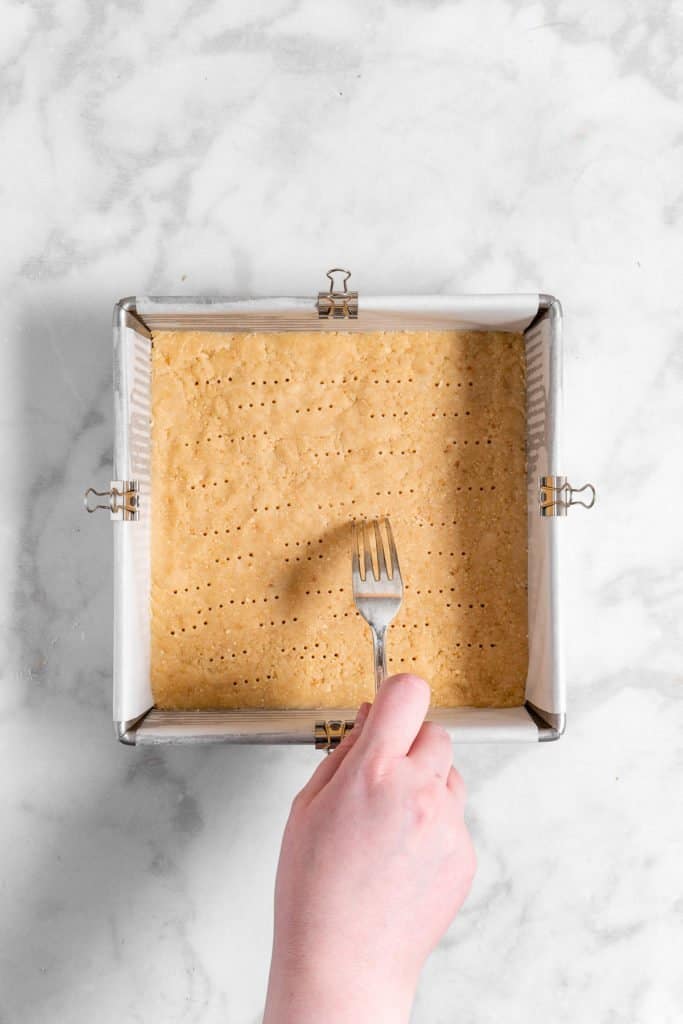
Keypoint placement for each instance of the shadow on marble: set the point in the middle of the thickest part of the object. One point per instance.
(105, 834)
(62, 600)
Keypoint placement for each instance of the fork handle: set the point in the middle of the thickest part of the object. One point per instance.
(380, 656)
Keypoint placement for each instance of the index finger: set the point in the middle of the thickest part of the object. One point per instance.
(396, 716)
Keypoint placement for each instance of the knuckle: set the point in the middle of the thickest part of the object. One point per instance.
(438, 732)
(298, 804)
(459, 785)
(437, 736)
(426, 803)
(374, 770)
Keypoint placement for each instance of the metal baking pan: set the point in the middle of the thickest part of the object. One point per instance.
(549, 497)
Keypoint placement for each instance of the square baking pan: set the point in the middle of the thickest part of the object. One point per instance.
(549, 497)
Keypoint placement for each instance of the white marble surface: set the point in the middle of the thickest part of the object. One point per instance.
(242, 149)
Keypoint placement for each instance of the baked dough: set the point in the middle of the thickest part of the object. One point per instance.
(266, 446)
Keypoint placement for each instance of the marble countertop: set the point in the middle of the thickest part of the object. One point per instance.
(205, 148)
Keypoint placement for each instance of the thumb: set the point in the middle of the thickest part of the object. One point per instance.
(396, 717)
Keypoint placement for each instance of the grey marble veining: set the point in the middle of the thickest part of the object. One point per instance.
(242, 149)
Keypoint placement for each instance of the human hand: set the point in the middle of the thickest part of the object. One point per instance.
(376, 860)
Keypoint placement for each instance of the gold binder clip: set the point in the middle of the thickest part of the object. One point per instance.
(124, 500)
(558, 496)
(338, 303)
(329, 735)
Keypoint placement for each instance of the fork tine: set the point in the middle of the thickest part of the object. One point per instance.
(355, 559)
(367, 550)
(381, 562)
(376, 595)
(396, 569)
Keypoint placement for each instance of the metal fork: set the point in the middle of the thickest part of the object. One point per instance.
(377, 591)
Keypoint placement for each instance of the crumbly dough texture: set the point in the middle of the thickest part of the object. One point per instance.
(266, 446)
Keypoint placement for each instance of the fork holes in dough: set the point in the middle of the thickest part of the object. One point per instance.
(327, 455)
